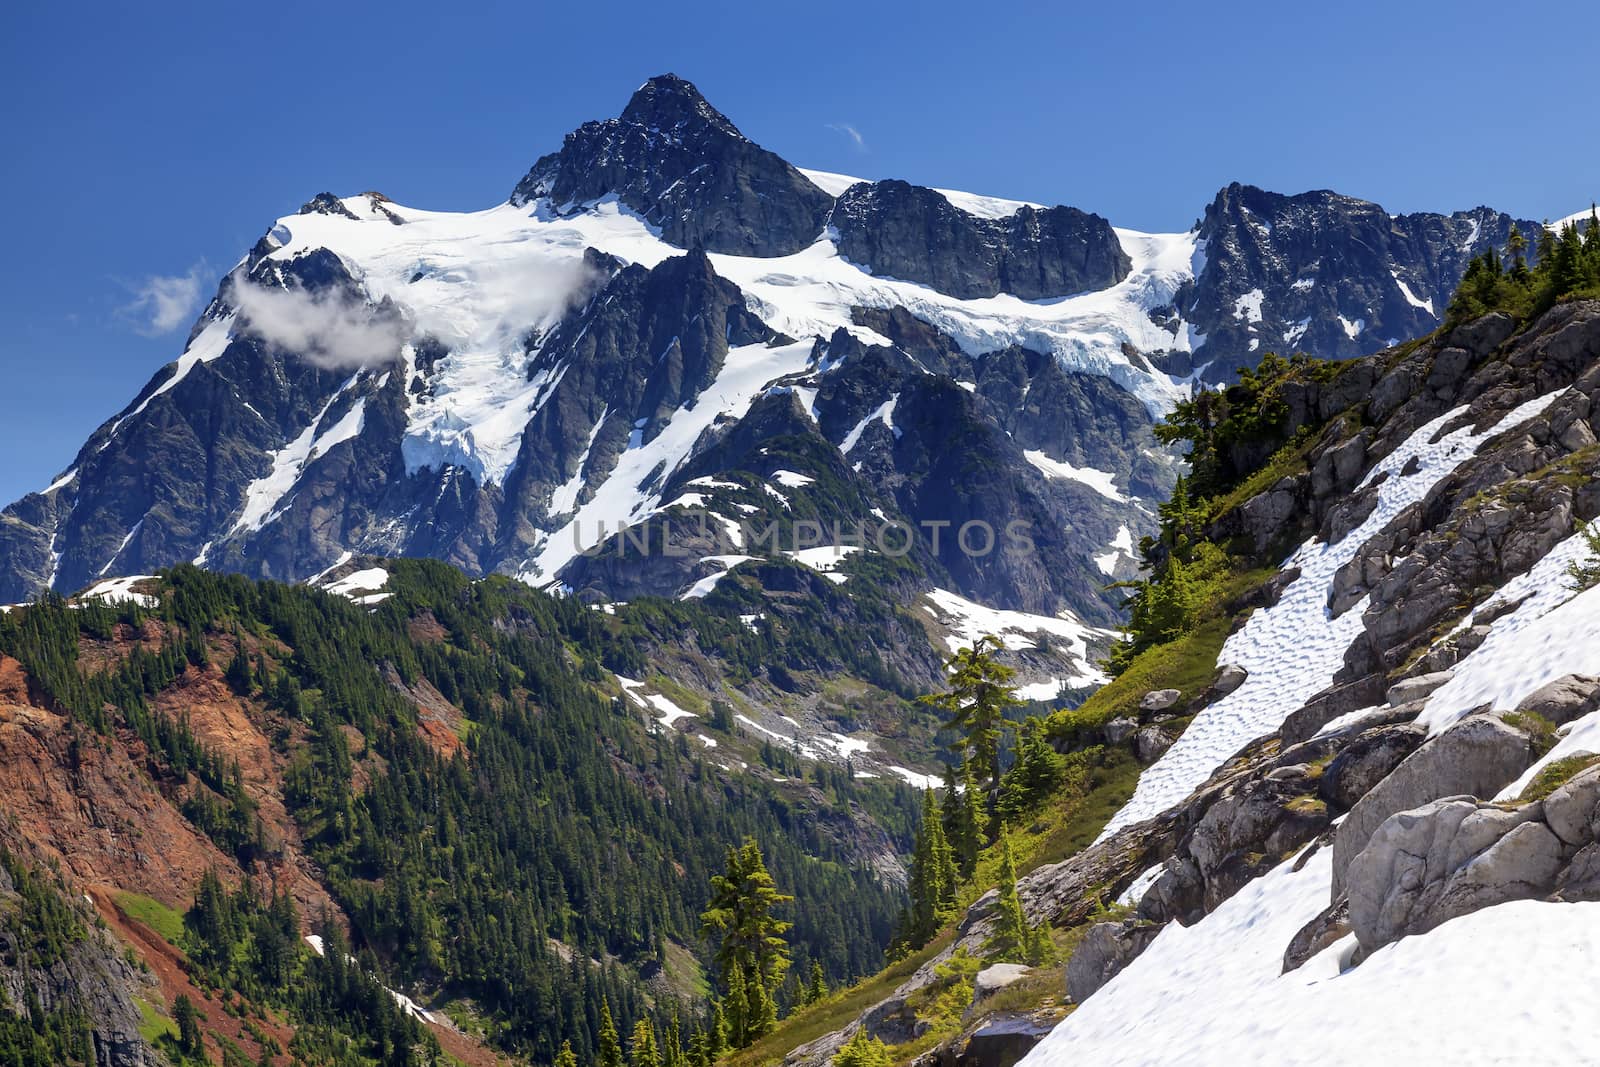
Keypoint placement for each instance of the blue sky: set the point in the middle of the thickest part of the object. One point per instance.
(151, 145)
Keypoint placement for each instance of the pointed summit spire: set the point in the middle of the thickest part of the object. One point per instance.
(683, 167)
(668, 102)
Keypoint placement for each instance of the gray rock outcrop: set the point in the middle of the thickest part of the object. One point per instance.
(1104, 951)
(905, 231)
(1447, 858)
(1478, 756)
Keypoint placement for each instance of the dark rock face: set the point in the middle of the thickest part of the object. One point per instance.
(1082, 419)
(1002, 1041)
(909, 232)
(1327, 274)
(92, 978)
(685, 168)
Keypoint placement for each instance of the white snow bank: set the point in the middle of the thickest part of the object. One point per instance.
(704, 586)
(968, 621)
(1120, 546)
(1411, 298)
(825, 560)
(632, 489)
(1476, 990)
(362, 586)
(1048, 689)
(884, 411)
(120, 590)
(670, 712)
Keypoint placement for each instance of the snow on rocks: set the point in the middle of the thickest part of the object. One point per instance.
(791, 480)
(120, 591)
(968, 621)
(478, 281)
(670, 713)
(825, 560)
(1102, 482)
(704, 586)
(362, 586)
(631, 491)
(1121, 547)
(884, 412)
(1048, 689)
(261, 497)
(1293, 648)
(1548, 635)
(207, 345)
(917, 780)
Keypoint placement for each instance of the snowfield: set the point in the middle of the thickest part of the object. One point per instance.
(1213, 993)
(479, 281)
(1477, 990)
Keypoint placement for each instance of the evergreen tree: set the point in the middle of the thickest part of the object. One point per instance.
(863, 1050)
(717, 1039)
(736, 1006)
(566, 1057)
(761, 1008)
(672, 1044)
(749, 938)
(1517, 245)
(187, 1017)
(1036, 774)
(933, 878)
(979, 694)
(642, 1046)
(239, 675)
(817, 989)
(1014, 940)
(610, 1045)
(963, 819)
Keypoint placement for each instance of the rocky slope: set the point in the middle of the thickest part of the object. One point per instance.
(1388, 789)
(669, 325)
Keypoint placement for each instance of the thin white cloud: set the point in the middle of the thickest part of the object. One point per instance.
(339, 330)
(327, 328)
(500, 301)
(163, 303)
(851, 132)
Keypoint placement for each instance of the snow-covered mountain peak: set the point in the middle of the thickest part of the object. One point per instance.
(465, 383)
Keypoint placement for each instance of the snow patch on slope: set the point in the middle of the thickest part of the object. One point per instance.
(1550, 634)
(968, 621)
(1121, 545)
(120, 590)
(633, 488)
(1410, 297)
(1293, 648)
(1102, 482)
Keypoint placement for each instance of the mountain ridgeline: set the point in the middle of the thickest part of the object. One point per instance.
(684, 306)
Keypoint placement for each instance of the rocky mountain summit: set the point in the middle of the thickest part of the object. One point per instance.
(666, 318)
(687, 170)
